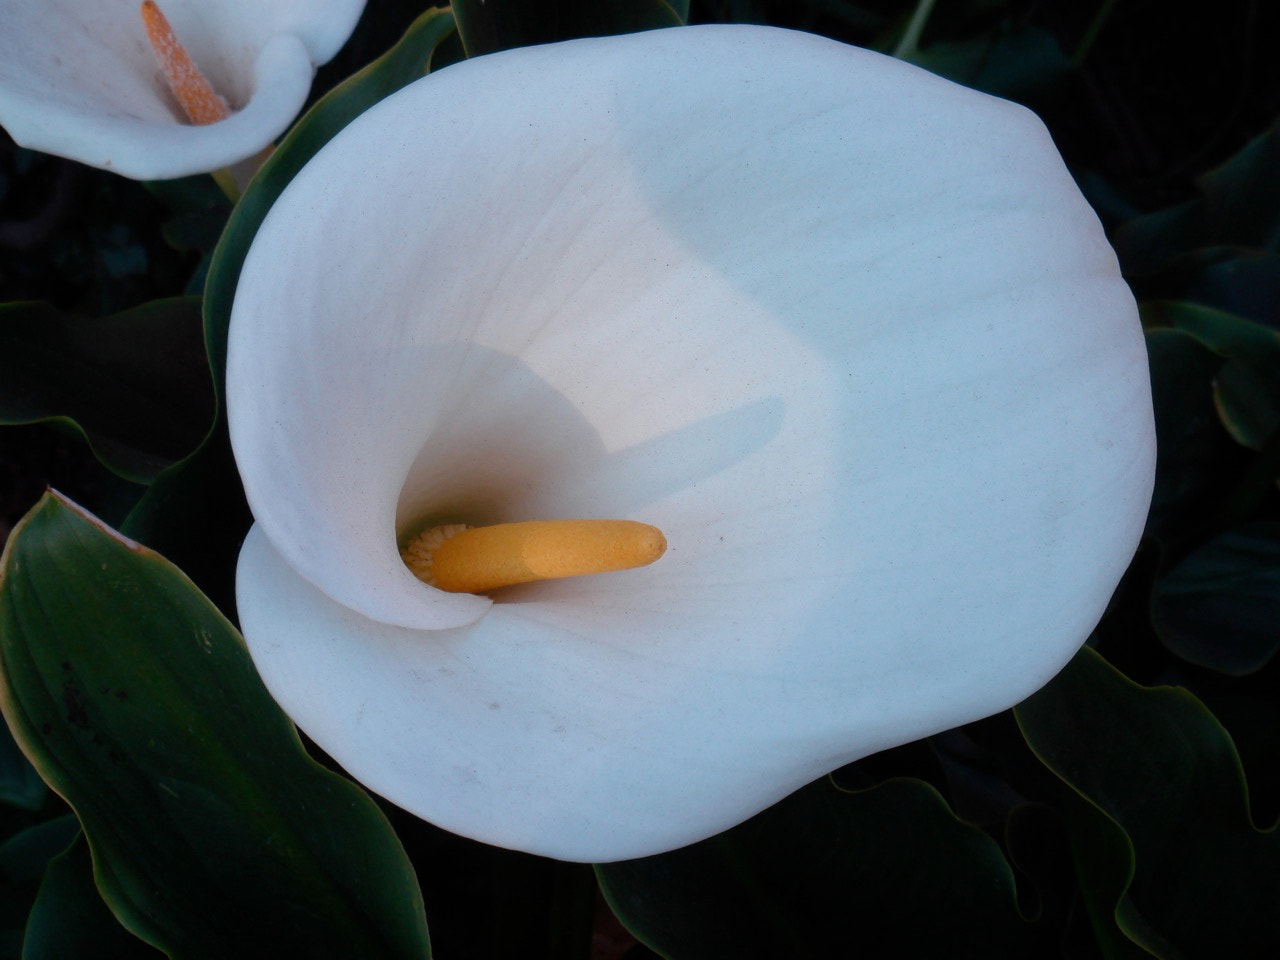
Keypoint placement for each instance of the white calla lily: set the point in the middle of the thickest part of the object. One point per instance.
(845, 332)
(81, 80)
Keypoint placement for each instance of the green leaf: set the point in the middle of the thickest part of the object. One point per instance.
(213, 833)
(1248, 401)
(1222, 332)
(1195, 457)
(195, 512)
(1242, 197)
(20, 785)
(1239, 206)
(135, 385)
(828, 873)
(1018, 64)
(487, 26)
(26, 855)
(1220, 606)
(1046, 845)
(1158, 765)
(199, 211)
(1237, 280)
(1102, 855)
(1244, 282)
(24, 858)
(198, 193)
(1246, 387)
(199, 232)
(196, 515)
(69, 918)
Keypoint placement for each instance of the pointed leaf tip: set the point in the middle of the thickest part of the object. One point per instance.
(212, 832)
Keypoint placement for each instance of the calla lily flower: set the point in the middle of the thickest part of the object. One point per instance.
(846, 333)
(81, 79)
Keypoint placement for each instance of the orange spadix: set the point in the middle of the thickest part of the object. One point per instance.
(479, 559)
(199, 101)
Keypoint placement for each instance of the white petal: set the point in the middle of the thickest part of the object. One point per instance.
(80, 79)
(846, 332)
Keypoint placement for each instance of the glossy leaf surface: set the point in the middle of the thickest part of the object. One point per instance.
(213, 833)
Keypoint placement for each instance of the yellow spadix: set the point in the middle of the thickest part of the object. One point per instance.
(464, 559)
(199, 101)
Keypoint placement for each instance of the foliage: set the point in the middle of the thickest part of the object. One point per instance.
(212, 831)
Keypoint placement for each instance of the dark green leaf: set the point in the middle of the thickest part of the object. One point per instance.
(1244, 282)
(1242, 197)
(24, 858)
(1222, 332)
(69, 918)
(195, 512)
(1046, 846)
(1158, 765)
(1235, 280)
(135, 385)
(1148, 243)
(213, 833)
(1103, 859)
(1247, 385)
(26, 855)
(1220, 606)
(195, 231)
(828, 873)
(1036, 840)
(19, 782)
(1248, 400)
(1252, 717)
(1019, 64)
(1194, 454)
(187, 195)
(199, 208)
(1239, 207)
(487, 26)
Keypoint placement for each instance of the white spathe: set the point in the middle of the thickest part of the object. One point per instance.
(846, 332)
(79, 79)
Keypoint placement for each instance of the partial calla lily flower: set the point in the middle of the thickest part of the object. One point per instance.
(845, 332)
(81, 79)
